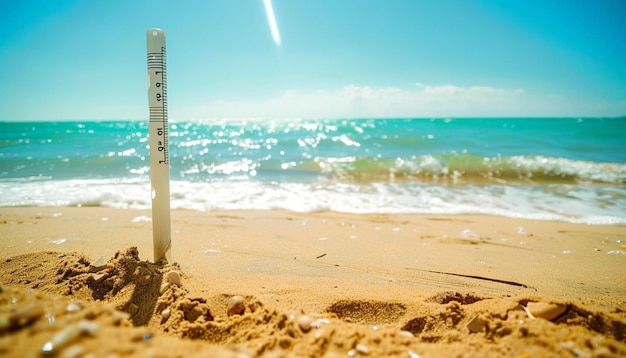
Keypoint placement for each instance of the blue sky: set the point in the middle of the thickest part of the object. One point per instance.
(337, 58)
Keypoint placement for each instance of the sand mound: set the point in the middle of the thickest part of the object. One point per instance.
(121, 305)
(124, 280)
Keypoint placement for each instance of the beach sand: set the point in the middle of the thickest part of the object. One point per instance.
(279, 283)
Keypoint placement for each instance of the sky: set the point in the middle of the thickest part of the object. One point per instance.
(86, 60)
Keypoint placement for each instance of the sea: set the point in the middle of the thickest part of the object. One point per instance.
(564, 169)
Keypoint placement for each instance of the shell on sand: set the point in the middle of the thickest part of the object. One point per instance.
(173, 277)
(545, 310)
(236, 306)
(68, 335)
(305, 323)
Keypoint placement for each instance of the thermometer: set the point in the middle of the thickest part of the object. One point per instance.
(159, 155)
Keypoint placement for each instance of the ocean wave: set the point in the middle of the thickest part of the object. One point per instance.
(471, 168)
(447, 168)
(563, 202)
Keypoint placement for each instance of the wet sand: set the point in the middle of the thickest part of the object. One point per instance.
(312, 284)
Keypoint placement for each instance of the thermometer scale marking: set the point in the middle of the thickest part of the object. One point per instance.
(158, 112)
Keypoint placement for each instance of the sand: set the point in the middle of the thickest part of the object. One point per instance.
(80, 282)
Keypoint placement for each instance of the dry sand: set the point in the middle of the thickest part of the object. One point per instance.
(308, 284)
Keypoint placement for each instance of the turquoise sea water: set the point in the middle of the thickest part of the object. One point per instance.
(569, 169)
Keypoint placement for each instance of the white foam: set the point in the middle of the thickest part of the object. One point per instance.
(572, 203)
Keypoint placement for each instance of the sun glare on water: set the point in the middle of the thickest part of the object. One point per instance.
(271, 19)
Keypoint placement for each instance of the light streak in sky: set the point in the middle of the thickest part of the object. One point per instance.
(272, 21)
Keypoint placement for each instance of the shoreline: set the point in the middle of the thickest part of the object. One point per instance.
(356, 270)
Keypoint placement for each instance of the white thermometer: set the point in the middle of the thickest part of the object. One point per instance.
(159, 156)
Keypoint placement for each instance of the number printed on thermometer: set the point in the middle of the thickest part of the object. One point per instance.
(158, 103)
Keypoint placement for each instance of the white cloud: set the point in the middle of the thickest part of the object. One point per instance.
(354, 101)
(444, 90)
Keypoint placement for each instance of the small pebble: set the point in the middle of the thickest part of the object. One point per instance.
(132, 309)
(73, 307)
(236, 306)
(476, 325)
(99, 264)
(146, 336)
(413, 355)
(164, 287)
(406, 334)
(166, 313)
(362, 348)
(98, 277)
(173, 277)
(304, 322)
